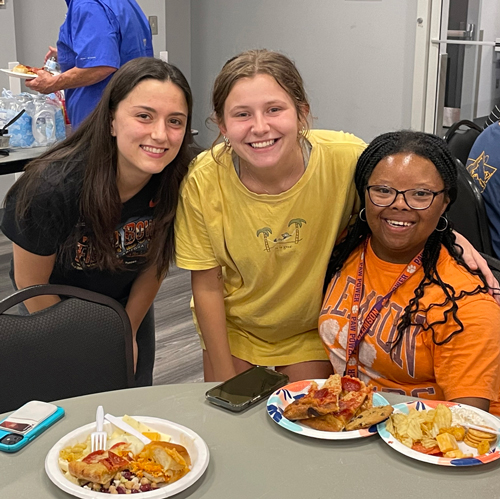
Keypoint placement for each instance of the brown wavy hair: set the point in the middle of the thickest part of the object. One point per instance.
(92, 146)
(249, 64)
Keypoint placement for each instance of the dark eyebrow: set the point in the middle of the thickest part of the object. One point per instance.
(152, 110)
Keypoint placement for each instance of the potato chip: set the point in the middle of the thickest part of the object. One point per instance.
(443, 416)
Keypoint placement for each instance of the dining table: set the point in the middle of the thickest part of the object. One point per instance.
(252, 457)
(18, 158)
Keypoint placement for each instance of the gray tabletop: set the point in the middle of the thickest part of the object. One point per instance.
(252, 457)
(18, 158)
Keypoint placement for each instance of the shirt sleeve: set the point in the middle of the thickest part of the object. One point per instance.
(95, 36)
(193, 249)
(469, 364)
(47, 223)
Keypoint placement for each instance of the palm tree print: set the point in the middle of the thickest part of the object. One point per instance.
(298, 224)
(265, 231)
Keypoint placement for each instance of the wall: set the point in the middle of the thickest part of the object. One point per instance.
(356, 57)
(178, 28)
(7, 54)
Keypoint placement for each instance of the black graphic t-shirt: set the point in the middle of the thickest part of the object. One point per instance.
(54, 212)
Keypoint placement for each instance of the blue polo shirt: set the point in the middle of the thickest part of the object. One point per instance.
(99, 33)
(483, 164)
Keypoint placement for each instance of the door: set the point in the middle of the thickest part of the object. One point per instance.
(463, 63)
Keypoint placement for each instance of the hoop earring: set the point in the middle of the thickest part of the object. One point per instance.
(359, 215)
(226, 141)
(445, 224)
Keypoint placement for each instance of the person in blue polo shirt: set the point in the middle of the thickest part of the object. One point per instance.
(483, 165)
(97, 37)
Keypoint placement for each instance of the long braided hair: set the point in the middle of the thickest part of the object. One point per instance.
(435, 150)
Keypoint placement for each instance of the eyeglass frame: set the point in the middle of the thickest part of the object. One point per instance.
(434, 194)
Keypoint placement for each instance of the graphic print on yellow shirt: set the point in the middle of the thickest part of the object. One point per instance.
(285, 239)
(417, 366)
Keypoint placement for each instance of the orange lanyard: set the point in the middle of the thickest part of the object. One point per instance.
(353, 338)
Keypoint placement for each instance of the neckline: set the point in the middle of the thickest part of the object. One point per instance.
(233, 162)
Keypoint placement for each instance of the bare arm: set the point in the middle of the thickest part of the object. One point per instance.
(475, 261)
(31, 269)
(73, 78)
(142, 295)
(208, 294)
(480, 403)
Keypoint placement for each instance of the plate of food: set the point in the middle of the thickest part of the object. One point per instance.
(175, 459)
(339, 408)
(22, 71)
(438, 433)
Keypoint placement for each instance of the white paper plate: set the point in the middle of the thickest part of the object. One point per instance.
(23, 76)
(195, 445)
(422, 405)
(285, 396)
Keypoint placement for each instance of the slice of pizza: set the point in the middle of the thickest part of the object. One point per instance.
(318, 401)
(98, 467)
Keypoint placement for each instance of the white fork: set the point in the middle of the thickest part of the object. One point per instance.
(99, 437)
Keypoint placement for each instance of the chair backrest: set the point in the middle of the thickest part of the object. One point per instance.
(80, 345)
(460, 137)
(493, 264)
(468, 214)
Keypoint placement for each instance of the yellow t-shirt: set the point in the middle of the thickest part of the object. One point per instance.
(466, 366)
(273, 249)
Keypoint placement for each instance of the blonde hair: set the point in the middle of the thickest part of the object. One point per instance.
(249, 64)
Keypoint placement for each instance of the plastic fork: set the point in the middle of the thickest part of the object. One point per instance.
(99, 437)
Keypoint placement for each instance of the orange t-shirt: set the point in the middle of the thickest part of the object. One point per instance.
(466, 366)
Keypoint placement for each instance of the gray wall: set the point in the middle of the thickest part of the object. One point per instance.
(356, 57)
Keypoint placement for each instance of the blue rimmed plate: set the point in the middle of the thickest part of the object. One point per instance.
(285, 396)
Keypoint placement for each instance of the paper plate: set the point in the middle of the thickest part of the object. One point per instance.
(421, 405)
(195, 445)
(285, 396)
(23, 76)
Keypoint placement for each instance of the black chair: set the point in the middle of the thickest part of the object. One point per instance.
(80, 345)
(468, 214)
(460, 138)
(493, 264)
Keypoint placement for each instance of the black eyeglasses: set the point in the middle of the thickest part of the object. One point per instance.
(416, 199)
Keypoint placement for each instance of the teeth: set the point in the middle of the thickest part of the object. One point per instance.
(258, 145)
(153, 149)
(398, 223)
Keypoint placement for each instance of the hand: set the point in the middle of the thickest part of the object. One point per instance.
(135, 350)
(45, 83)
(51, 53)
(476, 262)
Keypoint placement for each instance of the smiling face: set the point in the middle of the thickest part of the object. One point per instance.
(149, 126)
(261, 122)
(398, 232)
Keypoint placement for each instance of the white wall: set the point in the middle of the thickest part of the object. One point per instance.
(7, 54)
(356, 57)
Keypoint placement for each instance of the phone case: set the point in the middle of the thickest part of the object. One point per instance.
(32, 434)
(279, 380)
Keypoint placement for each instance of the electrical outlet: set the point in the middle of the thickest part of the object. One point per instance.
(153, 23)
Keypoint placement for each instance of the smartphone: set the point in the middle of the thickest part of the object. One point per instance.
(247, 388)
(25, 424)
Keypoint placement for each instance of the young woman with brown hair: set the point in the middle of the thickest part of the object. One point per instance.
(97, 210)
